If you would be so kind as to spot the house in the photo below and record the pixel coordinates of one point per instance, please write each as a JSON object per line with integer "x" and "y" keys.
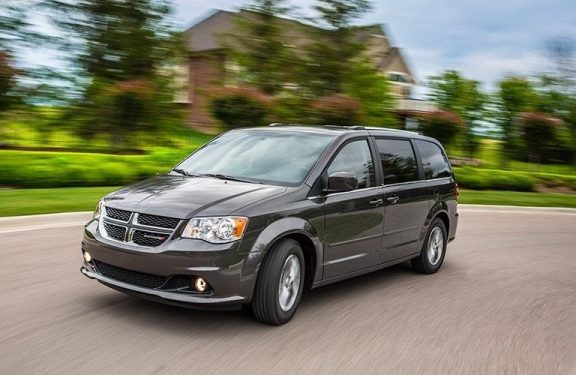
{"x": 208, "y": 63}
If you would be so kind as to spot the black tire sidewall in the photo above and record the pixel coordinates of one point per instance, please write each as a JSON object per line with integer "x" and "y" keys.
{"x": 292, "y": 248}
{"x": 430, "y": 268}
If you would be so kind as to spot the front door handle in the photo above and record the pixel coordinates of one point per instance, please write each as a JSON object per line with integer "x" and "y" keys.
{"x": 393, "y": 199}
{"x": 377, "y": 202}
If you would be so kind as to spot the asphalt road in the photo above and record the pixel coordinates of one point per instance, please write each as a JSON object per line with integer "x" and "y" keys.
{"x": 503, "y": 303}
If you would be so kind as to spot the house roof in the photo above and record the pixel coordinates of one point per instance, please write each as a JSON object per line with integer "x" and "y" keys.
{"x": 210, "y": 32}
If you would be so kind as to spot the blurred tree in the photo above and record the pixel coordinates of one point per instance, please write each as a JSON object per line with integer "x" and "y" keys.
{"x": 123, "y": 51}
{"x": 442, "y": 125}
{"x": 455, "y": 93}
{"x": 372, "y": 91}
{"x": 259, "y": 47}
{"x": 7, "y": 81}
{"x": 515, "y": 96}
{"x": 334, "y": 48}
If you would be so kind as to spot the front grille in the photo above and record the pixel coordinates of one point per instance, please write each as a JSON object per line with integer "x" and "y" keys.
{"x": 117, "y": 214}
{"x": 158, "y": 221}
{"x": 115, "y": 231}
{"x": 150, "y": 239}
{"x": 145, "y": 280}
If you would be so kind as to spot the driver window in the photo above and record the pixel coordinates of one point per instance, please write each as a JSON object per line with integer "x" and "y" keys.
{"x": 355, "y": 158}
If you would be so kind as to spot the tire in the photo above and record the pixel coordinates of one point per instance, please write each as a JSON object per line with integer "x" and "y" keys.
{"x": 269, "y": 305}
{"x": 430, "y": 261}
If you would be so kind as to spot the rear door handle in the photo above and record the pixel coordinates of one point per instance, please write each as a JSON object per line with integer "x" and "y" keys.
{"x": 393, "y": 199}
{"x": 377, "y": 202}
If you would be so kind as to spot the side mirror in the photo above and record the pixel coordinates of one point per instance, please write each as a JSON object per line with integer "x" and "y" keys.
{"x": 341, "y": 181}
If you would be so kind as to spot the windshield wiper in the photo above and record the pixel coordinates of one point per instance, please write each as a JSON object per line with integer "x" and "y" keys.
{"x": 183, "y": 172}
{"x": 227, "y": 177}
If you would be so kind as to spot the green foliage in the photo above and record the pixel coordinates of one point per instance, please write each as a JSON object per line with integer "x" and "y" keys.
{"x": 444, "y": 126}
{"x": 486, "y": 179}
{"x": 335, "y": 47}
{"x": 455, "y": 93}
{"x": 51, "y": 169}
{"x": 372, "y": 91}
{"x": 259, "y": 46}
{"x": 335, "y": 110}
{"x": 241, "y": 107}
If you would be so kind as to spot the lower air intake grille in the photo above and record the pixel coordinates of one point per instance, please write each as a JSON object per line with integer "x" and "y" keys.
{"x": 115, "y": 231}
{"x": 141, "y": 279}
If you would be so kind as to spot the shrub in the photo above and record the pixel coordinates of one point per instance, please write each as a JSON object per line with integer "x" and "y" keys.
{"x": 492, "y": 179}
{"x": 442, "y": 125}
{"x": 240, "y": 107}
{"x": 335, "y": 110}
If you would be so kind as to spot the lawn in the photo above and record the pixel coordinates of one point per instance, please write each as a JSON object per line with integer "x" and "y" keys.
{"x": 514, "y": 198}
{"x": 14, "y": 202}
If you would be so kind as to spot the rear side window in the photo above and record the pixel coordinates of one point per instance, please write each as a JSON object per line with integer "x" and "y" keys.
{"x": 355, "y": 158}
{"x": 434, "y": 161}
{"x": 398, "y": 160}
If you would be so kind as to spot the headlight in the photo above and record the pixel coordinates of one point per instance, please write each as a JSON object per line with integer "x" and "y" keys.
{"x": 216, "y": 229}
{"x": 98, "y": 211}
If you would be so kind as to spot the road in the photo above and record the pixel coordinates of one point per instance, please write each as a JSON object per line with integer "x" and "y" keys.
{"x": 504, "y": 302}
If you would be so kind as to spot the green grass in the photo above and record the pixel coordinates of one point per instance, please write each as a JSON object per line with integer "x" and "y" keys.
{"x": 15, "y": 202}
{"x": 514, "y": 198}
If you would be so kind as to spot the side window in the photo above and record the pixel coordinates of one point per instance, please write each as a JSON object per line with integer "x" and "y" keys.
{"x": 355, "y": 158}
{"x": 398, "y": 160}
{"x": 434, "y": 161}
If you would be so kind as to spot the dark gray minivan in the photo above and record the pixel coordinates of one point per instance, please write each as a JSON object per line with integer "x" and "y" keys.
{"x": 256, "y": 215}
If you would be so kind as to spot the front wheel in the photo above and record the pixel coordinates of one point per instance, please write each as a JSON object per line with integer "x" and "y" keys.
{"x": 433, "y": 250}
{"x": 280, "y": 283}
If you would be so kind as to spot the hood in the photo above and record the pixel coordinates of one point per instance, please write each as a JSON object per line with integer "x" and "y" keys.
{"x": 185, "y": 197}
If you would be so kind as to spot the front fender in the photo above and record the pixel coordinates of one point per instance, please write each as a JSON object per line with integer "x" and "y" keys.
{"x": 277, "y": 230}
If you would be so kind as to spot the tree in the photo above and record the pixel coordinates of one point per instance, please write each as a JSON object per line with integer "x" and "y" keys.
{"x": 7, "y": 80}
{"x": 372, "y": 90}
{"x": 335, "y": 47}
{"x": 455, "y": 93}
{"x": 121, "y": 50}
{"x": 515, "y": 96}
{"x": 259, "y": 46}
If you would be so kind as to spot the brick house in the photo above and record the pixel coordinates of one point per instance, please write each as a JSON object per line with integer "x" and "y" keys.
{"x": 208, "y": 63}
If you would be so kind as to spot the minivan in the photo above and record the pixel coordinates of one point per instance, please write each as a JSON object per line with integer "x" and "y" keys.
{"x": 258, "y": 215}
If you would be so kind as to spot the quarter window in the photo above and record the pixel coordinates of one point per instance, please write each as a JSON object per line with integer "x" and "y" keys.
{"x": 398, "y": 160}
{"x": 355, "y": 158}
{"x": 434, "y": 161}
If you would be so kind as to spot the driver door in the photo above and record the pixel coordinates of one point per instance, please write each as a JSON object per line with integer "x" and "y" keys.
{"x": 353, "y": 219}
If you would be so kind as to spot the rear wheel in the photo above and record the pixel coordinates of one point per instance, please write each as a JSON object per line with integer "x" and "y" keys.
{"x": 280, "y": 283}
{"x": 433, "y": 250}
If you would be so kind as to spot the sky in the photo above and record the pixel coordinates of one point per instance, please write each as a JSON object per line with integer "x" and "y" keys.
{"x": 485, "y": 40}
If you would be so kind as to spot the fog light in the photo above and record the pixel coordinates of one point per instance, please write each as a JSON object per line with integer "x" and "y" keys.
{"x": 87, "y": 257}
{"x": 201, "y": 285}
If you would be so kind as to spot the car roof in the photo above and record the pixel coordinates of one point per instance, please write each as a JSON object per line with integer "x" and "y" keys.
{"x": 341, "y": 130}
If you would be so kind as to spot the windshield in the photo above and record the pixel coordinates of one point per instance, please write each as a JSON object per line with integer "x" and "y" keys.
{"x": 283, "y": 158}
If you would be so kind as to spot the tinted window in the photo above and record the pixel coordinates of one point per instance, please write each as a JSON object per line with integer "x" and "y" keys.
{"x": 398, "y": 160}
{"x": 434, "y": 161}
{"x": 355, "y": 158}
{"x": 260, "y": 155}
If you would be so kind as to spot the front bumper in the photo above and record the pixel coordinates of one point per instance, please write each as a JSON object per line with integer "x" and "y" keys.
{"x": 170, "y": 298}
{"x": 230, "y": 273}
